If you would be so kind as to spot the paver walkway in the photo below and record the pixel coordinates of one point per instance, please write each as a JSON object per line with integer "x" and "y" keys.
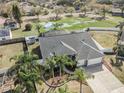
{"x": 105, "y": 82}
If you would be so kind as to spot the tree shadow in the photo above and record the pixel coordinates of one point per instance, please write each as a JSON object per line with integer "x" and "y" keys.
{"x": 37, "y": 51}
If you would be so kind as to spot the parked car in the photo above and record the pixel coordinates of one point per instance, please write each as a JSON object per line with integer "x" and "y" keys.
{"x": 31, "y": 39}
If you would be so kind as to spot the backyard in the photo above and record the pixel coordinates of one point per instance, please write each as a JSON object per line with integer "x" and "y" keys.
{"x": 9, "y": 51}
{"x": 67, "y": 24}
{"x": 106, "y": 39}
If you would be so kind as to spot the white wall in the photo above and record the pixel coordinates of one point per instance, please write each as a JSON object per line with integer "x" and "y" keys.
{"x": 90, "y": 62}
{"x": 95, "y": 61}
{"x": 7, "y": 37}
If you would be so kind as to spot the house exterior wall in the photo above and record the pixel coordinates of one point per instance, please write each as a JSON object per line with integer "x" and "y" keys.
{"x": 7, "y": 37}
{"x": 95, "y": 61}
{"x": 15, "y": 26}
{"x": 90, "y": 62}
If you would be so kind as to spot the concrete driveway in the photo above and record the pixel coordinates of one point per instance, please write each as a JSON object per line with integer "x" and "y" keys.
{"x": 104, "y": 81}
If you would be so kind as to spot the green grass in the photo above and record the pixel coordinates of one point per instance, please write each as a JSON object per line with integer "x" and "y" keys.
{"x": 22, "y": 33}
{"x": 70, "y": 21}
{"x": 104, "y": 23}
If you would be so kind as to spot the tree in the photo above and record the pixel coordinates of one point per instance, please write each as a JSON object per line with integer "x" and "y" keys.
{"x": 118, "y": 48}
{"x": 70, "y": 10}
{"x": 63, "y": 89}
{"x": 120, "y": 26}
{"x": 16, "y": 14}
{"x": 50, "y": 64}
{"x": 53, "y": 63}
{"x": 84, "y": 10}
{"x": 38, "y": 27}
{"x": 80, "y": 76}
{"x": 56, "y": 26}
{"x": 104, "y": 12}
{"x": 58, "y": 10}
{"x": 26, "y": 73}
{"x": 78, "y": 4}
{"x": 37, "y": 11}
{"x": 63, "y": 61}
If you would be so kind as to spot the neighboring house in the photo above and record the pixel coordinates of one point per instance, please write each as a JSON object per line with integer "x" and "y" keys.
{"x": 5, "y": 34}
{"x": 76, "y": 45}
{"x": 116, "y": 12}
{"x": 10, "y": 24}
{"x": 116, "y": 9}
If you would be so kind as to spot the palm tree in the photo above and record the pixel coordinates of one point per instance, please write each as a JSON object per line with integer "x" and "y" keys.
{"x": 56, "y": 62}
{"x": 118, "y": 48}
{"x": 63, "y": 61}
{"x": 26, "y": 73}
{"x": 120, "y": 26}
{"x": 80, "y": 75}
{"x": 51, "y": 63}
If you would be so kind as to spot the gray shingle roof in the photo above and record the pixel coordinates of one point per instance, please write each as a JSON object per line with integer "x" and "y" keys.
{"x": 52, "y": 44}
{"x": 4, "y": 32}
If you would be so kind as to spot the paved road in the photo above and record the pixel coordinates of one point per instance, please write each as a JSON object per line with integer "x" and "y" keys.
{"x": 104, "y": 81}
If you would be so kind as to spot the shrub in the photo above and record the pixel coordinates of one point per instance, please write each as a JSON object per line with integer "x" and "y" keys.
{"x": 28, "y": 27}
{"x": 68, "y": 15}
{"x": 5, "y": 15}
{"x": 45, "y": 12}
{"x": 82, "y": 15}
{"x": 54, "y": 18}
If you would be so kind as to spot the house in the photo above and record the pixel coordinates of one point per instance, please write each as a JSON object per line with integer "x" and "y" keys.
{"x": 116, "y": 8}
{"x": 11, "y": 24}
{"x": 5, "y": 34}
{"x": 76, "y": 45}
{"x": 27, "y": 8}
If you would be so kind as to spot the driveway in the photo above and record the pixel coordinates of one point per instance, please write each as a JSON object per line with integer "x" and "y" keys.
{"x": 104, "y": 81}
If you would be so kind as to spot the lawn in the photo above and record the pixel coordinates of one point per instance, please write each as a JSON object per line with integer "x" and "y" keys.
{"x": 68, "y": 24}
{"x": 21, "y": 33}
{"x": 9, "y": 51}
{"x": 106, "y": 39}
{"x": 76, "y": 23}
